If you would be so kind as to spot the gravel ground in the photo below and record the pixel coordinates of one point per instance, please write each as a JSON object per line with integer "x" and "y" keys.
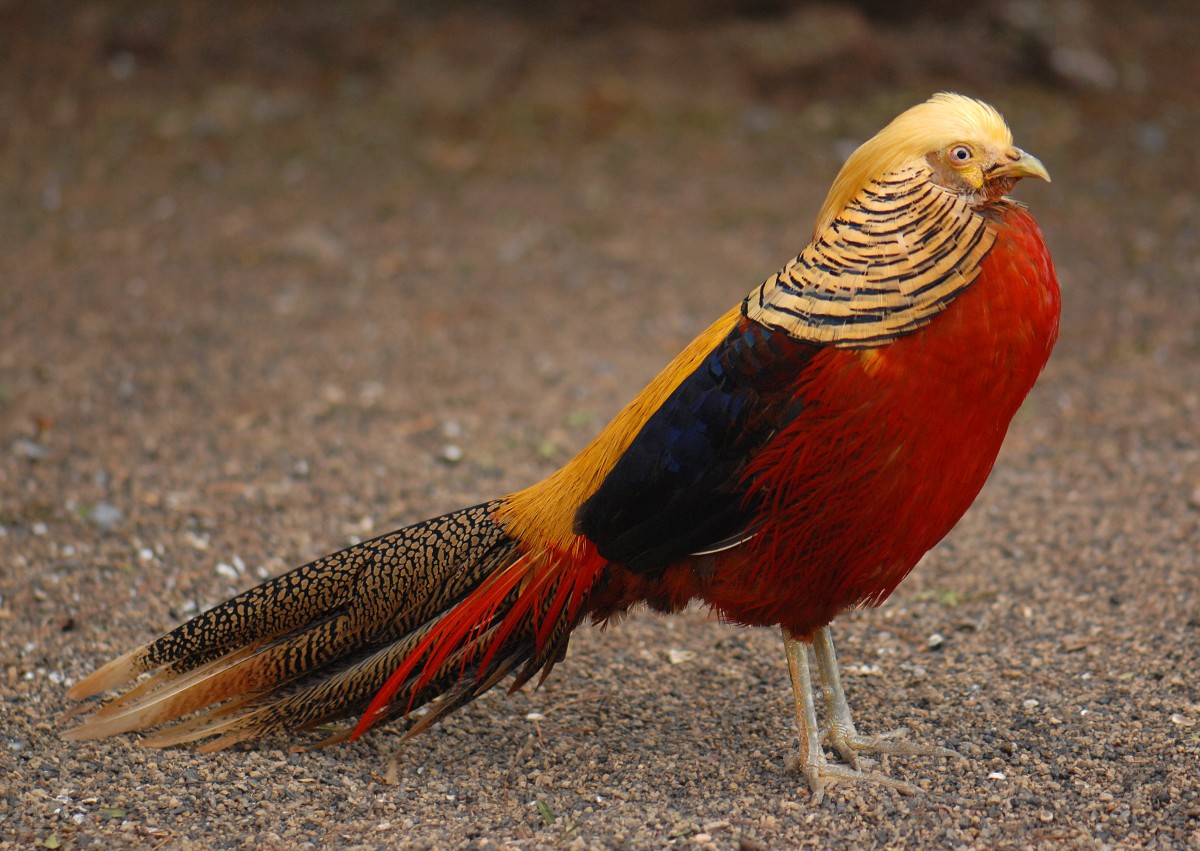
{"x": 275, "y": 282}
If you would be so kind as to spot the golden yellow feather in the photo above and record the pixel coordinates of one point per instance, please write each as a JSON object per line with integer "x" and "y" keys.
{"x": 942, "y": 121}
{"x": 543, "y": 514}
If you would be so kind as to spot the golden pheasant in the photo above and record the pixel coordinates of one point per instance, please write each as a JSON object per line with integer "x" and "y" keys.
{"x": 797, "y": 459}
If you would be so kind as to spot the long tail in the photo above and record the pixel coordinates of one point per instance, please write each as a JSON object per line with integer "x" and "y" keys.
{"x": 442, "y": 610}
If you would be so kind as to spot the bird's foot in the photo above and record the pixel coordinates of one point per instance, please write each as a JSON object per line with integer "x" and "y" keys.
{"x": 840, "y": 735}
{"x": 849, "y": 744}
{"x": 820, "y": 772}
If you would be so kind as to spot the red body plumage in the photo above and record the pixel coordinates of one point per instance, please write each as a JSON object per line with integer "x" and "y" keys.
{"x": 898, "y": 445}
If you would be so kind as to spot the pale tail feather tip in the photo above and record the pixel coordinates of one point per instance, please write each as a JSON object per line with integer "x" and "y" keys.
{"x": 117, "y": 672}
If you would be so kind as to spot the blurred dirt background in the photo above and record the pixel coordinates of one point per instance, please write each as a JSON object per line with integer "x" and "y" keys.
{"x": 274, "y": 278}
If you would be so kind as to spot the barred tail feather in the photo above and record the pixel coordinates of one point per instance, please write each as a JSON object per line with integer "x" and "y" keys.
{"x": 440, "y": 611}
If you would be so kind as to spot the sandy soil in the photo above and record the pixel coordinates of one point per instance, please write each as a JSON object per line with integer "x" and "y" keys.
{"x": 275, "y": 282}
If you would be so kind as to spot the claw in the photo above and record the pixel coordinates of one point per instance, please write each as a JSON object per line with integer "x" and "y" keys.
{"x": 819, "y": 772}
{"x": 892, "y": 742}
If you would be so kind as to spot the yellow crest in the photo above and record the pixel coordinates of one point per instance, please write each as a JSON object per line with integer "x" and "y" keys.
{"x": 940, "y": 122}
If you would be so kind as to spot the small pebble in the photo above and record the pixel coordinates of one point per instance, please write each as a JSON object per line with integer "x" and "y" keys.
{"x": 122, "y": 65}
{"x": 106, "y": 515}
{"x": 29, "y": 449}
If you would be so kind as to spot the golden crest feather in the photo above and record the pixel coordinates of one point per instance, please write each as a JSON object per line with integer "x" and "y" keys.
{"x": 943, "y": 120}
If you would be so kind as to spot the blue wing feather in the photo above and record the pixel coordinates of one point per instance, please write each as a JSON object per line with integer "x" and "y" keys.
{"x": 680, "y": 487}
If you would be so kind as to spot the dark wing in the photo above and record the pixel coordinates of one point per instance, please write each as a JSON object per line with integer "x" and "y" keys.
{"x": 680, "y": 488}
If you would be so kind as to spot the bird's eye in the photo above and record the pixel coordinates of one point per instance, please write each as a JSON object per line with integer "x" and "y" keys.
{"x": 960, "y": 153}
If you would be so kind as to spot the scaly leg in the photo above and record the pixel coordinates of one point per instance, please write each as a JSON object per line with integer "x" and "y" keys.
{"x": 812, "y": 762}
{"x": 841, "y": 735}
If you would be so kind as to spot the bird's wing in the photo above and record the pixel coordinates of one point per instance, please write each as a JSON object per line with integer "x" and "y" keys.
{"x": 679, "y": 487}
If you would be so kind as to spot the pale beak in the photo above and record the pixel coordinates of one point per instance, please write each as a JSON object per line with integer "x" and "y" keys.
{"x": 1021, "y": 164}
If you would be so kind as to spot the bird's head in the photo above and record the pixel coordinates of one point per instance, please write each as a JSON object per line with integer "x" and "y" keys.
{"x": 964, "y": 142}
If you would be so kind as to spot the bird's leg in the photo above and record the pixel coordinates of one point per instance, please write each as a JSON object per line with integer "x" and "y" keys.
{"x": 841, "y": 728}
{"x": 812, "y": 762}
{"x": 842, "y": 735}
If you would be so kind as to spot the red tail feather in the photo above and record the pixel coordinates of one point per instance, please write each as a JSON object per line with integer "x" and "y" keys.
{"x": 551, "y": 584}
